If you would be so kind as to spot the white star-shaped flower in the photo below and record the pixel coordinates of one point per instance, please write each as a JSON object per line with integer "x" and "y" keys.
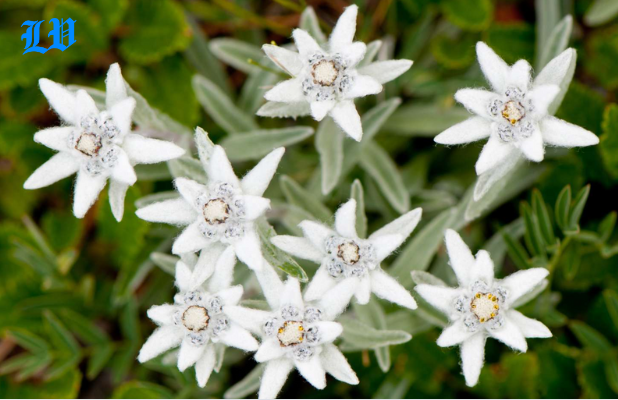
{"x": 295, "y": 334}
{"x": 197, "y": 321}
{"x": 483, "y": 306}
{"x": 515, "y": 115}
{"x": 97, "y": 145}
{"x": 328, "y": 80}
{"x": 223, "y": 211}
{"x": 343, "y": 256}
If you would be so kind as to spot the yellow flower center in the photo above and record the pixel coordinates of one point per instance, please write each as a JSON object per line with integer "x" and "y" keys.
{"x": 349, "y": 252}
{"x": 324, "y": 73}
{"x": 216, "y": 211}
{"x": 485, "y": 306}
{"x": 89, "y": 144}
{"x": 195, "y": 318}
{"x": 513, "y": 112}
{"x": 291, "y": 333}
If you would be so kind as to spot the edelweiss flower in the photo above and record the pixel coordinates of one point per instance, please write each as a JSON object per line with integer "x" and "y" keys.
{"x": 222, "y": 211}
{"x": 295, "y": 334}
{"x": 482, "y": 306}
{"x": 328, "y": 80}
{"x": 343, "y": 256}
{"x": 515, "y": 115}
{"x": 96, "y": 144}
{"x": 197, "y": 320}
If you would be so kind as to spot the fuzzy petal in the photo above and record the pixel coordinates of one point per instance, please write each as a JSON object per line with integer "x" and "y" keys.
{"x": 530, "y": 328}
{"x": 291, "y": 294}
{"x": 319, "y": 284}
{"x": 473, "y": 358}
{"x": 510, "y": 335}
{"x": 385, "y": 245}
{"x": 62, "y": 100}
{"x": 55, "y": 138}
{"x": 403, "y": 225}
{"x": 189, "y": 354}
{"x": 362, "y": 86}
{"x": 205, "y": 265}
{"x": 285, "y": 59}
{"x": 161, "y": 340}
{"x": 163, "y": 314}
{"x": 345, "y": 219}
{"x": 461, "y": 259}
{"x": 257, "y": 180}
{"x": 183, "y": 276}
{"x": 493, "y": 153}
{"x": 439, "y": 297}
{"x": 274, "y": 377}
{"x": 121, "y": 113}
{"x": 476, "y": 100}
{"x": 387, "y": 288}
{"x": 190, "y": 190}
{"x": 319, "y": 109}
{"x": 519, "y": 75}
{"x": 336, "y": 299}
{"x": 542, "y": 96}
{"x": 298, "y": 247}
{"x": 557, "y": 132}
{"x": 494, "y": 68}
{"x": 328, "y": 331}
{"x": 85, "y": 105}
{"x": 270, "y": 349}
{"x": 56, "y": 168}
{"x": 470, "y": 130}
{"x": 363, "y": 290}
{"x": 190, "y": 240}
{"x": 454, "y": 334}
{"x": 533, "y": 147}
{"x": 316, "y": 232}
{"x": 348, "y": 119}
{"x": 175, "y": 212}
{"x": 312, "y": 371}
{"x": 290, "y": 91}
{"x": 483, "y": 268}
{"x": 143, "y": 150}
{"x": 255, "y": 206}
{"x": 386, "y": 71}
{"x": 115, "y": 87}
{"x": 220, "y": 169}
{"x": 123, "y": 172}
{"x": 521, "y": 282}
{"x": 223, "y": 274}
{"x": 343, "y": 32}
{"x": 335, "y": 364}
{"x": 204, "y": 366}
{"x": 555, "y": 70}
{"x": 248, "y": 318}
{"x": 249, "y": 250}
{"x": 235, "y": 336}
{"x": 87, "y": 189}
{"x": 306, "y": 45}
{"x": 271, "y": 284}
{"x": 354, "y": 53}
{"x": 230, "y": 296}
{"x": 117, "y": 194}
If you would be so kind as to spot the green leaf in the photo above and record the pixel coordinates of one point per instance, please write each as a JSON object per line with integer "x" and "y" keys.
{"x": 453, "y": 53}
{"x": 362, "y": 336}
{"x": 142, "y": 390}
{"x": 309, "y": 21}
{"x": 547, "y": 18}
{"x": 276, "y": 257}
{"x": 28, "y": 340}
{"x": 329, "y": 144}
{"x": 60, "y": 337}
{"x": 220, "y": 108}
{"x": 425, "y": 278}
{"x": 590, "y": 338}
{"x": 100, "y": 356}
{"x": 533, "y": 230}
{"x": 156, "y": 197}
{"x": 472, "y": 15}
{"x": 17, "y": 69}
{"x": 600, "y": 12}
{"x": 237, "y": 53}
{"x": 611, "y": 302}
{"x": 611, "y": 371}
{"x": 557, "y": 41}
{"x": 609, "y": 139}
{"x": 157, "y": 29}
{"x": 606, "y": 227}
{"x": 542, "y": 215}
{"x": 110, "y": 11}
{"x": 373, "y": 315}
{"x": 256, "y": 144}
{"x": 577, "y": 209}
{"x": 424, "y": 120}
{"x": 563, "y": 207}
{"x": 187, "y": 167}
{"x": 516, "y": 251}
{"x": 301, "y": 197}
{"x": 252, "y": 93}
{"x": 373, "y": 48}
{"x": 165, "y": 261}
{"x": 247, "y": 385}
{"x": 512, "y": 42}
{"x": 361, "y": 218}
{"x": 147, "y": 117}
{"x": 378, "y": 163}
{"x": 84, "y": 328}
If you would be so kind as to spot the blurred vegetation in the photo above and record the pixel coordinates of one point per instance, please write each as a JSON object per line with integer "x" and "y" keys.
{"x": 74, "y": 292}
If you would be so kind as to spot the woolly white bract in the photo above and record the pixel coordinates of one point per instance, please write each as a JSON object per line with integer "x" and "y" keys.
{"x": 515, "y": 115}
{"x": 223, "y": 211}
{"x": 97, "y": 145}
{"x": 343, "y": 256}
{"x": 295, "y": 334}
{"x": 483, "y": 306}
{"x": 197, "y": 321}
{"x": 326, "y": 82}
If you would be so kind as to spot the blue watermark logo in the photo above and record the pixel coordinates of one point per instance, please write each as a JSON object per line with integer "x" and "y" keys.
{"x": 59, "y": 32}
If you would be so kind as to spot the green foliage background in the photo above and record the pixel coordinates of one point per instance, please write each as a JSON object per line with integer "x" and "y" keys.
{"x": 73, "y": 293}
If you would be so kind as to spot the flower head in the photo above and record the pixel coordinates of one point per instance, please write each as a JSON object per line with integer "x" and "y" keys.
{"x": 196, "y": 322}
{"x": 343, "y": 256}
{"x": 295, "y": 334}
{"x": 97, "y": 145}
{"x": 515, "y": 115}
{"x": 483, "y": 306}
{"x": 222, "y": 211}
{"x": 329, "y": 79}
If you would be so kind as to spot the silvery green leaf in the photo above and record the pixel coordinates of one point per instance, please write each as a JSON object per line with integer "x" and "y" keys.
{"x": 204, "y": 145}
{"x": 256, "y": 144}
{"x": 424, "y": 120}
{"x": 425, "y": 278}
{"x": 289, "y": 215}
{"x": 165, "y": 261}
{"x": 404, "y": 320}
{"x": 252, "y": 93}
{"x": 187, "y": 167}
{"x": 600, "y": 12}
{"x": 378, "y": 163}
{"x": 495, "y": 176}
{"x": 548, "y": 14}
{"x": 557, "y": 42}
{"x": 361, "y": 218}
{"x": 363, "y": 336}
{"x": 276, "y": 257}
{"x": 237, "y": 53}
{"x": 155, "y": 198}
{"x": 97, "y": 95}
{"x": 301, "y": 197}
{"x": 219, "y": 356}
{"x": 220, "y": 108}
{"x": 153, "y": 172}
{"x": 284, "y": 110}
{"x": 371, "y": 53}
{"x": 247, "y": 385}
{"x": 329, "y": 144}
{"x": 373, "y": 315}
{"x": 309, "y": 21}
